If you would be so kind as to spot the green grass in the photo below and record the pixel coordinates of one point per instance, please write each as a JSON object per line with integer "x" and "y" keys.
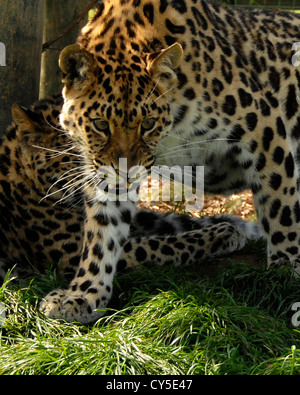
{"x": 234, "y": 319}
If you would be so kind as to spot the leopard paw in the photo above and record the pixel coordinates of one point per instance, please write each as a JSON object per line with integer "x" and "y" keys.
{"x": 60, "y": 304}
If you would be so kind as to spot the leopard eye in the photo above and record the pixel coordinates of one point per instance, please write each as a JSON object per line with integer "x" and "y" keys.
{"x": 148, "y": 124}
{"x": 100, "y": 125}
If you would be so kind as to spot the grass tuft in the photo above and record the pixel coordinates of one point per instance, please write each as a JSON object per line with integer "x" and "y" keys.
{"x": 168, "y": 321}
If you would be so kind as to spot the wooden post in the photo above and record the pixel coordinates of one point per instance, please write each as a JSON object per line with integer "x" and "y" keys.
{"x": 21, "y": 35}
{"x": 58, "y": 15}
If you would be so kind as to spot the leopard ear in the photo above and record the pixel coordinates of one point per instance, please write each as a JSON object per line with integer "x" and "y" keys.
{"x": 25, "y": 119}
{"x": 31, "y": 127}
{"x": 77, "y": 66}
{"x": 161, "y": 65}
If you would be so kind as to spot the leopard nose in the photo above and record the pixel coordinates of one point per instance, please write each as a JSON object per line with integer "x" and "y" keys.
{"x": 129, "y": 156}
{"x": 122, "y": 172}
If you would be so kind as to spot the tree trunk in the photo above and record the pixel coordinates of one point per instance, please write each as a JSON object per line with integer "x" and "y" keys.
{"x": 21, "y": 36}
{"x": 58, "y": 15}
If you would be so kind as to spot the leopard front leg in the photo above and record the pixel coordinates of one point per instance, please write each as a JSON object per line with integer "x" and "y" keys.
{"x": 276, "y": 200}
{"x": 106, "y": 230}
{"x": 184, "y": 248}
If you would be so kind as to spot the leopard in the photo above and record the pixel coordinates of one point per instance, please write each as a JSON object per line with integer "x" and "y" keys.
{"x": 43, "y": 217}
{"x": 185, "y": 82}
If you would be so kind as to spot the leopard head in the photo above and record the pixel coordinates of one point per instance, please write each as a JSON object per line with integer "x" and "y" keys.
{"x": 42, "y": 153}
{"x": 117, "y": 106}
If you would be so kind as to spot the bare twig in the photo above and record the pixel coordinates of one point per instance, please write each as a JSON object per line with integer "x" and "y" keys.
{"x": 47, "y": 44}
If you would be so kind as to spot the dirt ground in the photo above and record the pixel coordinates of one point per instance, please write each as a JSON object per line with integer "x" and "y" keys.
{"x": 239, "y": 204}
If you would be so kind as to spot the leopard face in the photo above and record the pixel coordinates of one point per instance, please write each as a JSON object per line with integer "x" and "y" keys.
{"x": 40, "y": 152}
{"x": 117, "y": 107}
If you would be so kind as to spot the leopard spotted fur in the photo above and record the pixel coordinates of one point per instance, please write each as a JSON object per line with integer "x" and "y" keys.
{"x": 185, "y": 82}
{"x": 42, "y": 211}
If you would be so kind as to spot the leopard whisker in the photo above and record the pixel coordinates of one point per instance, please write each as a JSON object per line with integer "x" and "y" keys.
{"x": 152, "y": 91}
{"x": 183, "y": 151}
{"x": 71, "y": 182}
{"x": 169, "y": 90}
{"x": 67, "y": 175}
{"x": 56, "y": 151}
{"x": 52, "y": 126}
{"x": 71, "y": 191}
{"x": 91, "y": 183}
{"x": 183, "y": 148}
{"x": 188, "y": 141}
{"x": 74, "y": 183}
{"x": 65, "y": 150}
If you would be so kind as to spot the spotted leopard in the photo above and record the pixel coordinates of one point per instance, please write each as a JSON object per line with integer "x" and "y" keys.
{"x": 185, "y": 82}
{"x": 43, "y": 219}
